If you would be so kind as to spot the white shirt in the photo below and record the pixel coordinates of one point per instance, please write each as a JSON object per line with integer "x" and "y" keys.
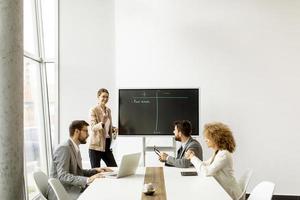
{"x": 106, "y": 128}
{"x": 184, "y": 143}
{"x": 76, "y": 146}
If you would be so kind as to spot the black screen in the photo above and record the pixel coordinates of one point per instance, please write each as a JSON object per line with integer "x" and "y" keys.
{"x": 153, "y": 111}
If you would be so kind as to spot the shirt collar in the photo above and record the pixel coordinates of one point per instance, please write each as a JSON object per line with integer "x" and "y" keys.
{"x": 75, "y": 145}
{"x": 184, "y": 144}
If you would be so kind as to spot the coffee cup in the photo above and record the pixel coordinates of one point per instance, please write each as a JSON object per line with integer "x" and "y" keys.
{"x": 148, "y": 187}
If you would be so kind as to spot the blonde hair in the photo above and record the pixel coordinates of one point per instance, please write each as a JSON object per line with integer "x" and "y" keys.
{"x": 221, "y": 135}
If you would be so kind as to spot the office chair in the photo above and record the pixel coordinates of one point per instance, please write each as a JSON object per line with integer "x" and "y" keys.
{"x": 243, "y": 183}
{"x": 41, "y": 183}
{"x": 59, "y": 189}
{"x": 262, "y": 191}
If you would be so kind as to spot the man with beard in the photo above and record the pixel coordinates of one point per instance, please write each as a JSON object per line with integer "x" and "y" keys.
{"x": 67, "y": 164}
{"x": 182, "y": 132}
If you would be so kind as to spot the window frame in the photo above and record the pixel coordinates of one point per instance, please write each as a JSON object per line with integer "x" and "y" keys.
{"x": 41, "y": 60}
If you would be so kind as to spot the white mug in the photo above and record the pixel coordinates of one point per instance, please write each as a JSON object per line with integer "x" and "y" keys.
{"x": 148, "y": 187}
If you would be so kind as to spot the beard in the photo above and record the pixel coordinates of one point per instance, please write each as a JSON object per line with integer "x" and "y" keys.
{"x": 82, "y": 140}
{"x": 177, "y": 138}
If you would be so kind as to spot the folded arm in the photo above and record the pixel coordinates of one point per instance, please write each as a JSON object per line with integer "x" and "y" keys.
{"x": 210, "y": 169}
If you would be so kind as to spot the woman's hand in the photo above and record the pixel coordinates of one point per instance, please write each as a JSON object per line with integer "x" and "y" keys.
{"x": 114, "y": 132}
{"x": 98, "y": 126}
{"x": 189, "y": 154}
{"x": 115, "y": 129}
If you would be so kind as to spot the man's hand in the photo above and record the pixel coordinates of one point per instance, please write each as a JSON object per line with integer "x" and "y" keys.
{"x": 106, "y": 169}
{"x": 92, "y": 178}
{"x": 103, "y": 169}
{"x": 163, "y": 157}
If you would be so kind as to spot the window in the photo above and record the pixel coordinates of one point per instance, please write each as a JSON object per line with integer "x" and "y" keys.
{"x": 52, "y": 95}
{"x": 33, "y": 124}
{"x": 30, "y": 30}
{"x": 40, "y": 87}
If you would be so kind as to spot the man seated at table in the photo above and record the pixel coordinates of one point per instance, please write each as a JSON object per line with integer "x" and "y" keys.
{"x": 182, "y": 132}
{"x": 67, "y": 164}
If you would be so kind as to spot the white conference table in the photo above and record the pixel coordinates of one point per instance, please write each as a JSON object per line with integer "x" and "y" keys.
{"x": 177, "y": 187}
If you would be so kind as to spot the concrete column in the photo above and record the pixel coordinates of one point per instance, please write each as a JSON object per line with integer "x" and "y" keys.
{"x": 11, "y": 100}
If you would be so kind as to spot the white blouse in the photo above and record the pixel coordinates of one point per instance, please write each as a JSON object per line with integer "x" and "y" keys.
{"x": 107, "y": 125}
{"x": 220, "y": 166}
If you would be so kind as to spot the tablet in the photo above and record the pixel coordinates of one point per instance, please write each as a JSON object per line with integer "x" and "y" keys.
{"x": 156, "y": 150}
{"x": 193, "y": 173}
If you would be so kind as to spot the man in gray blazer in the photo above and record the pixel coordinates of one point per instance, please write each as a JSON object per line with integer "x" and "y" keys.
{"x": 182, "y": 132}
{"x": 67, "y": 164}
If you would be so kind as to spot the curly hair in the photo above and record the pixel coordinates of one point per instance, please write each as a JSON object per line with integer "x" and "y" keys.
{"x": 221, "y": 135}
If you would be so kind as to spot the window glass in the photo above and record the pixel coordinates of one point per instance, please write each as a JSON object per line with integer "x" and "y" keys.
{"x": 33, "y": 126}
{"x": 39, "y": 108}
{"x": 30, "y": 28}
{"x": 52, "y": 95}
{"x": 48, "y": 16}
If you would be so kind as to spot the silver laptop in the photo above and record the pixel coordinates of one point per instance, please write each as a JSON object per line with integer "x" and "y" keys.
{"x": 128, "y": 166}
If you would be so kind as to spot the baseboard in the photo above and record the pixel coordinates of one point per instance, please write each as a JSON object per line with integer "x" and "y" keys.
{"x": 282, "y": 197}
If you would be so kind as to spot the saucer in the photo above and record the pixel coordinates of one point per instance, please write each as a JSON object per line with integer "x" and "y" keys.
{"x": 149, "y": 192}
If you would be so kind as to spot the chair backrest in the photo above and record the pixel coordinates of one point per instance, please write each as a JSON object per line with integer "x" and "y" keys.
{"x": 41, "y": 183}
{"x": 262, "y": 191}
{"x": 243, "y": 183}
{"x": 59, "y": 189}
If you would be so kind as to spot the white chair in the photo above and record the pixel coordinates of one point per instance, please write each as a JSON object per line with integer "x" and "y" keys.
{"x": 243, "y": 183}
{"x": 262, "y": 191}
{"x": 59, "y": 189}
{"x": 41, "y": 183}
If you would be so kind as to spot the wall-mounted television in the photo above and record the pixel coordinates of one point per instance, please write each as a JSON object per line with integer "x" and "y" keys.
{"x": 152, "y": 111}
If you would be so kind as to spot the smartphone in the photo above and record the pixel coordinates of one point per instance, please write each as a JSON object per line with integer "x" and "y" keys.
{"x": 156, "y": 150}
{"x": 189, "y": 173}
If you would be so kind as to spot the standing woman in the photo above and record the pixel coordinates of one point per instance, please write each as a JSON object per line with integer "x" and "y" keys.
{"x": 102, "y": 132}
{"x": 218, "y": 136}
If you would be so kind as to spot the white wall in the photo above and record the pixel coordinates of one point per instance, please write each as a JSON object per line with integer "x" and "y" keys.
{"x": 245, "y": 57}
{"x": 86, "y": 56}
{"x": 243, "y": 54}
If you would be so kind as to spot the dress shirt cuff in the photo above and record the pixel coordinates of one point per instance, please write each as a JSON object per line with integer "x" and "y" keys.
{"x": 87, "y": 182}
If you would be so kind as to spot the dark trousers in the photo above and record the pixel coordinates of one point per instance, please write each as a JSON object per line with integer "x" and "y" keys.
{"x": 107, "y": 156}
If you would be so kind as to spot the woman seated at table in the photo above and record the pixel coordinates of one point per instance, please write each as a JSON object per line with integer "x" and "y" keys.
{"x": 218, "y": 136}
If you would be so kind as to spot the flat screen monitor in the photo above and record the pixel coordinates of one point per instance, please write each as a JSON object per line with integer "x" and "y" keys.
{"x": 153, "y": 111}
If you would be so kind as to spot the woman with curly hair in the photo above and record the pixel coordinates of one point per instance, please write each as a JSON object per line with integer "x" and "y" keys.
{"x": 218, "y": 136}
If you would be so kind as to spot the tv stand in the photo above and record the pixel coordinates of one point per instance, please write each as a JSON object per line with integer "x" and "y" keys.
{"x": 161, "y": 148}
